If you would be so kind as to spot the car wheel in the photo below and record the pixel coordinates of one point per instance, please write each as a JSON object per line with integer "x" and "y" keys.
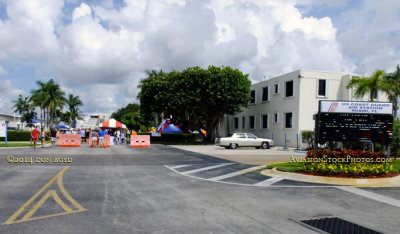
{"x": 265, "y": 145}
{"x": 233, "y": 146}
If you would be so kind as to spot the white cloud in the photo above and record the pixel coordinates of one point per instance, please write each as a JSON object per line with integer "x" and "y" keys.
{"x": 102, "y": 53}
{"x": 7, "y": 95}
{"x": 81, "y": 11}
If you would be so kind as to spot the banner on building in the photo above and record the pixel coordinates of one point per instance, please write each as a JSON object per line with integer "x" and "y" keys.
{"x": 356, "y": 107}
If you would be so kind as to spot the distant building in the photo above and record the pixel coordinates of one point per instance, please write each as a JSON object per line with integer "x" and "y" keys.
{"x": 286, "y": 105}
{"x": 92, "y": 121}
{"x": 14, "y": 121}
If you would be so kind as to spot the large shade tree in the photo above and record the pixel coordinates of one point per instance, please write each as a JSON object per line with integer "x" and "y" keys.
{"x": 198, "y": 98}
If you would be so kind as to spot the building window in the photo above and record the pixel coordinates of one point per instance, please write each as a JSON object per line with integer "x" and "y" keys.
{"x": 264, "y": 121}
{"x": 265, "y": 94}
{"x": 276, "y": 88}
{"x": 236, "y": 123}
{"x": 243, "y": 122}
{"x": 289, "y": 89}
{"x": 276, "y": 117}
{"x": 288, "y": 120}
{"x": 253, "y": 97}
{"x": 251, "y": 122}
{"x": 322, "y": 88}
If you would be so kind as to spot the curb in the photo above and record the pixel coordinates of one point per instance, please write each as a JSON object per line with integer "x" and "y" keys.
{"x": 378, "y": 182}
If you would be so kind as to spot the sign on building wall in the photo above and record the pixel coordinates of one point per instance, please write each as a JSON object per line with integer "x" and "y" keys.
{"x": 3, "y": 128}
{"x": 356, "y": 107}
{"x": 354, "y": 121}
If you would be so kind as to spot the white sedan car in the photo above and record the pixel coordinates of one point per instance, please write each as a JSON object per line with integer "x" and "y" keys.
{"x": 243, "y": 139}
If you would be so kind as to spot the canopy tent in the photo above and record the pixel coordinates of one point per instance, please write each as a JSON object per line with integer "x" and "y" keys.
{"x": 168, "y": 127}
{"x": 112, "y": 123}
{"x": 62, "y": 127}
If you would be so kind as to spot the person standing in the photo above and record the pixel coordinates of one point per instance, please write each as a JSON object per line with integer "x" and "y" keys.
{"x": 42, "y": 136}
{"x": 34, "y": 136}
{"x": 53, "y": 137}
{"x": 94, "y": 139}
{"x": 83, "y": 135}
{"x": 101, "y": 138}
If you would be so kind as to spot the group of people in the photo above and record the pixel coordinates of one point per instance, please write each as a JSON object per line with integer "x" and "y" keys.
{"x": 35, "y": 135}
{"x": 119, "y": 136}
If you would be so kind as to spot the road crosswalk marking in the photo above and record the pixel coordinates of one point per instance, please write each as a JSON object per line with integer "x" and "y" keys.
{"x": 180, "y": 166}
{"x": 226, "y": 176}
{"x": 206, "y": 168}
{"x": 267, "y": 182}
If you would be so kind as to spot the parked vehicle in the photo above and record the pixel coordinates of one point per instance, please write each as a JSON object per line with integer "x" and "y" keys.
{"x": 243, "y": 140}
{"x": 12, "y": 129}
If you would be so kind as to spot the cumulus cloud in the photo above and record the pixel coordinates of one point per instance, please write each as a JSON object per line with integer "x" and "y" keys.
{"x": 100, "y": 52}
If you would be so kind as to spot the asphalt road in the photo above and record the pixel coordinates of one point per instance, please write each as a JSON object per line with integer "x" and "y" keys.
{"x": 168, "y": 190}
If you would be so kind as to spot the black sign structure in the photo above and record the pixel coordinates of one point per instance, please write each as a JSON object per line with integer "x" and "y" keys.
{"x": 353, "y": 127}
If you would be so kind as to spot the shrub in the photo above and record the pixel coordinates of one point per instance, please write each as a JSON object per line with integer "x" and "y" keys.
{"x": 181, "y": 137}
{"x": 321, "y": 153}
{"x": 20, "y": 136}
{"x": 308, "y": 138}
{"x": 350, "y": 169}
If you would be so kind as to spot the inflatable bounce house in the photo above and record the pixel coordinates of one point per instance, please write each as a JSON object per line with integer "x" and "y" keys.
{"x": 167, "y": 126}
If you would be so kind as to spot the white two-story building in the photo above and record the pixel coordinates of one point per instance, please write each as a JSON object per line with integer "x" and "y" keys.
{"x": 285, "y": 105}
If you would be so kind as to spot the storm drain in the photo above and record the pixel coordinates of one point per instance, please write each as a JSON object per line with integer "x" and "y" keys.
{"x": 335, "y": 225}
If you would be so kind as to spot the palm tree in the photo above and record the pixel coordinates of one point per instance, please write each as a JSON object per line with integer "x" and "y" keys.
{"x": 22, "y": 106}
{"x": 366, "y": 85}
{"x": 73, "y": 103}
{"x": 38, "y": 97}
{"x": 391, "y": 86}
{"x": 54, "y": 99}
{"x": 29, "y": 116}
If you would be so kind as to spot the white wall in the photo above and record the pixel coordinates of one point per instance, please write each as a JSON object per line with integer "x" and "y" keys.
{"x": 303, "y": 105}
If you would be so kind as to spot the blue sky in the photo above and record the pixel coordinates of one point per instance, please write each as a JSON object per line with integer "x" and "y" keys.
{"x": 100, "y": 50}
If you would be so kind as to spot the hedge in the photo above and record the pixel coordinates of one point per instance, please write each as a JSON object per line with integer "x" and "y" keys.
{"x": 321, "y": 153}
{"x": 177, "y": 137}
{"x": 19, "y": 136}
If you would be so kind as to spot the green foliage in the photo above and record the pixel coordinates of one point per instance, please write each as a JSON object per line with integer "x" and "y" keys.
{"x": 345, "y": 153}
{"x": 367, "y": 84}
{"x": 288, "y": 167}
{"x": 396, "y": 137}
{"x": 308, "y": 138}
{"x": 130, "y": 108}
{"x": 197, "y": 98}
{"x": 350, "y": 169}
{"x": 178, "y": 137}
{"x": 19, "y": 136}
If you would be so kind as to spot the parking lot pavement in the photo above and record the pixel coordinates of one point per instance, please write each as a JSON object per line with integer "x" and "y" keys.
{"x": 250, "y": 155}
{"x": 123, "y": 190}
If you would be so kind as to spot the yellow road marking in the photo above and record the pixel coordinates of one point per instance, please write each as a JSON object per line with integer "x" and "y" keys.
{"x": 48, "y": 194}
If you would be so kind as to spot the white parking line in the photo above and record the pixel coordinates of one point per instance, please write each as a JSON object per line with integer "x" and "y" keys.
{"x": 226, "y": 176}
{"x": 371, "y": 195}
{"x": 179, "y": 166}
{"x": 206, "y": 168}
{"x": 267, "y": 182}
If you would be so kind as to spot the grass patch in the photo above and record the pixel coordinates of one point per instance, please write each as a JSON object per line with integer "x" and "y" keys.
{"x": 11, "y": 144}
{"x": 20, "y": 144}
{"x": 288, "y": 167}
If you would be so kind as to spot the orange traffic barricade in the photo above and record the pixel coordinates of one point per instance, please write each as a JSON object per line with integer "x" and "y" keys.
{"x": 69, "y": 140}
{"x": 140, "y": 141}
